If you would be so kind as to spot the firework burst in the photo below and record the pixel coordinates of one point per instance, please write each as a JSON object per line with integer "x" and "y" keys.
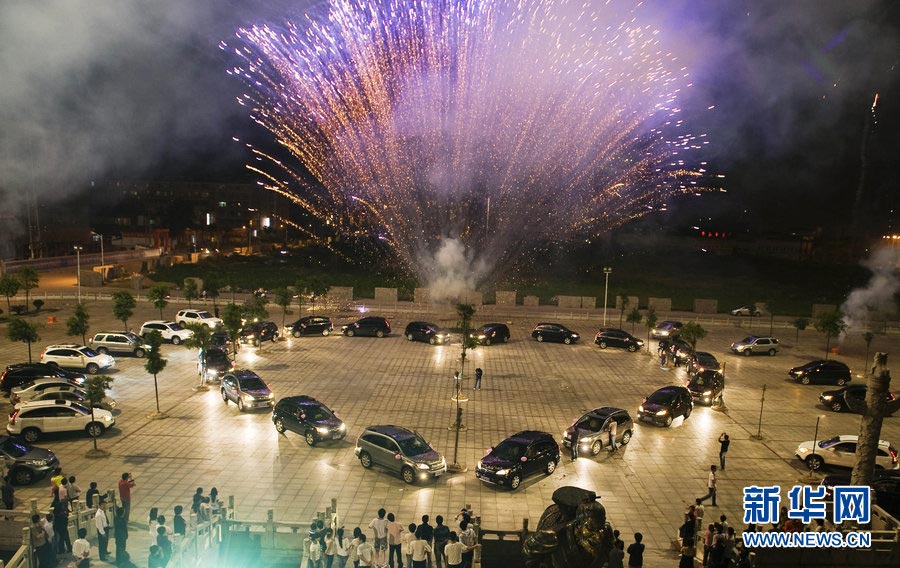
{"x": 497, "y": 124}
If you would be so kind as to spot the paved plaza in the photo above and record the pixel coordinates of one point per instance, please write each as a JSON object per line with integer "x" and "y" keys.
{"x": 645, "y": 487}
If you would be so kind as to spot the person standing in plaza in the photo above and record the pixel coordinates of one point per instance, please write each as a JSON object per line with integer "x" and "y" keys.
{"x": 420, "y": 551}
{"x": 379, "y": 526}
{"x": 353, "y": 556}
{"x": 611, "y": 429}
{"x": 178, "y": 524}
{"x": 636, "y": 551}
{"x": 155, "y": 559}
{"x": 61, "y": 526}
{"x": 63, "y": 490}
{"x": 395, "y": 536}
{"x": 576, "y": 436}
{"x": 41, "y": 543}
{"x": 329, "y": 547}
{"x": 724, "y": 442}
{"x": 126, "y": 484}
{"x": 74, "y": 489}
{"x": 441, "y": 536}
{"x": 427, "y": 532}
{"x": 405, "y": 540}
{"x": 341, "y": 549}
{"x": 478, "y": 374}
{"x": 365, "y": 552}
{"x": 617, "y": 555}
{"x": 711, "y": 481}
{"x": 9, "y": 499}
{"x": 709, "y": 536}
{"x": 101, "y": 521}
{"x": 468, "y": 538}
{"x": 81, "y": 550}
{"x": 698, "y": 514}
{"x": 57, "y": 478}
{"x": 163, "y": 542}
{"x": 120, "y": 533}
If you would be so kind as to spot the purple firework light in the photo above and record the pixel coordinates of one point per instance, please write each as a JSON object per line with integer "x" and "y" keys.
{"x": 497, "y": 124}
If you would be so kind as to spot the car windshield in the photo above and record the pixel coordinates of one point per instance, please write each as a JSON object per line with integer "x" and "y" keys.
{"x": 414, "y": 446}
{"x": 204, "y": 315}
{"x": 317, "y": 413}
{"x": 87, "y": 351}
{"x": 133, "y": 337}
{"x": 591, "y": 422}
{"x": 699, "y": 381}
{"x": 217, "y": 357}
{"x": 660, "y": 397}
{"x": 509, "y": 450}
{"x": 80, "y": 408}
{"x": 14, "y": 448}
{"x": 830, "y": 442}
{"x": 252, "y": 383}
{"x": 748, "y": 339}
{"x": 175, "y": 326}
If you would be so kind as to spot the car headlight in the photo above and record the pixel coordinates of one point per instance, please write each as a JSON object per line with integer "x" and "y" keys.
{"x": 270, "y": 396}
{"x": 575, "y": 335}
{"x": 107, "y": 418}
{"x": 502, "y": 472}
{"x": 443, "y": 462}
{"x": 802, "y": 450}
{"x": 827, "y": 397}
{"x": 322, "y": 430}
{"x": 662, "y": 412}
{"x": 482, "y": 336}
{"x": 641, "y": 408}
{"x": 422, "y": 466}
{"x": 479, "y": 465}
{"x": 246, "y": 398}
{"x": 342, "y": 427}
{"x": 584, "y": 440}
{"x": 707, "y": 393}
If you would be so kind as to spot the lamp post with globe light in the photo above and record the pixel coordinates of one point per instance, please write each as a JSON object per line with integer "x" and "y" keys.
{"x": 78, "y": 250}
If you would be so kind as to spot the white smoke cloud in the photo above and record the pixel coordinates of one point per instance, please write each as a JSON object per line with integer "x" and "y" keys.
{"x": 452, "y": 271}
{"x": 878, "y": 297}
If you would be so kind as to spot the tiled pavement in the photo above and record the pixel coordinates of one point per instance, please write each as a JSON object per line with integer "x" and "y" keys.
{"x": 645, "y": 487}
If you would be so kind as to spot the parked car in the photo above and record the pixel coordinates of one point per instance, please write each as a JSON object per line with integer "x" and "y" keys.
{"x": 310, "y": 325}
{"x": 702, "y": 361}
{"x": 24, "y": 462}
{"x": 427, "y": 332}
{"x": 885, "y": 486}
{"x": 753, "y": 344}
{"x": 77, "y": 395}
{"x": 73, "y": 356}
{"x": 836, "y": 400}
{"x": 169, "y": 330}
{"x": 521, "y": 455}
{"x": 665, "y": 405}
{"x": 246, "y": 389}
{"x": 32, "y": 420}
{"x": 822, "y": 371}
{"x": 256, "y": 332}
{"x": 309, "y": 418}
{"x": 220, "y": 340}
{"x": 666, "y": 329}
{"x": 491, "y": 333}
{"x": 20, "y": 373}
{"x": 617, "y": 338}
{"x": 746, "y": 311}
{"x": 119, "y": 342}
{"x": 841, "y": 451}
{"x": 198, "y": 316}
{"x": 592, "y": 429}
{"x": 399, "y": 450}
{"x": 371, "y": 326}
{"x": 30, "y": 390}
{"x": 706, "y": 386}
{"x": 213, "y": 363}
{"x": 555, "y": 332}
{"x": 677, "y": 348}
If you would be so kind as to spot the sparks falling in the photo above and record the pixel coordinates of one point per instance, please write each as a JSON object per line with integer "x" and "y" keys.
{"x": 497, "y": 123}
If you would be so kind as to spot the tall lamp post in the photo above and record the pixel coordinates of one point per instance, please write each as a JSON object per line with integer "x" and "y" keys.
{"x": 102, "y": 260}
{"x": 607, "y": 270}
{"x": 78, "y": 250}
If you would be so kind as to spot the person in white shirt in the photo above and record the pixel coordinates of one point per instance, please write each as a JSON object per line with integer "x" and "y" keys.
{"x": 101, "y": 521}
{"x": 314, "y": 553}
{"x": 365, "y": 551}
{"x": 353, "y": 556}
{"x": 341, "y": 549}
{"x": 421, "y": 552}
{"x": 380, "y": 526}
{"x": 468, "y": 538}
{"x": 405, "y": 540}
{"x": 454, "y": 551}
{"x": 81, "y": 550}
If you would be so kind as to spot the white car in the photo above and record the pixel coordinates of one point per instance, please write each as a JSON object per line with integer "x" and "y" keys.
{"x": 74, "y": 356}
{"x": 78, "y": 396}
{"x": 198, "y": 316}
{"x": 31, "y": 420}
{"x": 841, "y": 451}
{"x": 55, "y": 389}
{"x": 746, "y": 311}
{"x": 169, "y": 330}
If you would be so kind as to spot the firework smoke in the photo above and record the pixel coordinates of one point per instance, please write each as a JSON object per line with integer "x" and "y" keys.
{"x": 879, "y": 296}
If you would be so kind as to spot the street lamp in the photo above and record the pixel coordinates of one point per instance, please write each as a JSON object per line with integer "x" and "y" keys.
{"x": 607, "y": 270}
{"x": 100, "y": 238}
{"x": 78, "y": 250}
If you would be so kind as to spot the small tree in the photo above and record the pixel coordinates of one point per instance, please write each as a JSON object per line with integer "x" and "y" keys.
{"x": 78, "y": 323}
{"x": 21, "y": 330}
{"x": 191, "y": 291}
{"x": 283, "y": 298}
{"x": 123, "y": 306}
{"x": 232, "y": 322}
{"x": 316, "y": 289}
{"x": 255, "y": 308}
{"x": 155, "y": 363}
{"x": 28, "y": 278}
{"x": 212, "y": 285}
{"x": 634, "y": 317}
{"x": 96, "y": 387}
{"x": 38, "y": 304}
{"x": 831, "y": 324}
{"x": 625, "y": 300}
{"x": 201, "y": 340}
{"x": 650, "y": 321}
{"x": 692, "y": 332}
{"x": 800, "y": 324}
{"x": 159, "y": 295}
{"x": 9, "y": 287}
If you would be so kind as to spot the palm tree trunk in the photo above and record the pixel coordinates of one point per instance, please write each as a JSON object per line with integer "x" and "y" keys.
{"x": 878, "y": 384}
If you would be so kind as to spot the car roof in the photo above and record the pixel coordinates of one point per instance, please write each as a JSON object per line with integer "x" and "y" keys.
{"x": 851, "y": 438}
{"x": 65, "y": 346}
{"x": 494, "y": 325}
{"x": 40, "y": 403}
{"x": 392, "y": 431}
{"x": 704, "y": 354}
{"x": 298, "y": 399}
{"x": 244, "y": 374}
{"x": 605, "y": 411}
{"x": 670, "y": 389}
{"x": 35, "y": 365}
{"x": 528, "y": 436}
{"x": 669, "y": 322}
{"x": 164, "y": 322}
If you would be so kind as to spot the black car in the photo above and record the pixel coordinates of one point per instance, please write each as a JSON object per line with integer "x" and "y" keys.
{"x": 836, "y": 400}
{"x": 257, "y": 332}
{"x": 25, "y": 462}
{"x": 702, "y": 361}
{"x": 427, "y": 332}
{"x": 821, "y": 371}
{"x": 706, "y": 386}
{"x": 885, "y": 486}
{"x": 20, "y": 373}
{"x": 665, "y": 405}
{"x": 371, "y": 326}
{"x": 310, "y": 325}
{"x": 220, "y": 340}
{"x": 309, "y": 418}
{"x": 677, "y": 348}
{"x": 214, "y": 363}
{"x": 491, "y": 333}
{"x": 617, "y": 338}
{"x": 517, "y": 457}
{"x": 556, "y": 332}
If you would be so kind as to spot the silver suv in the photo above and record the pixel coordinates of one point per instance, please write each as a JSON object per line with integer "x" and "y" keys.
{"x": 399, "y": 450}
{"x": 592, "y": 430}
{"x": 752, "y": 344}
{"x": 119, "y": 342}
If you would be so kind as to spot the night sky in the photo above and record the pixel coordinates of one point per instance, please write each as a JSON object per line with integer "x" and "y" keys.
{"x": 127, "y": 89}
